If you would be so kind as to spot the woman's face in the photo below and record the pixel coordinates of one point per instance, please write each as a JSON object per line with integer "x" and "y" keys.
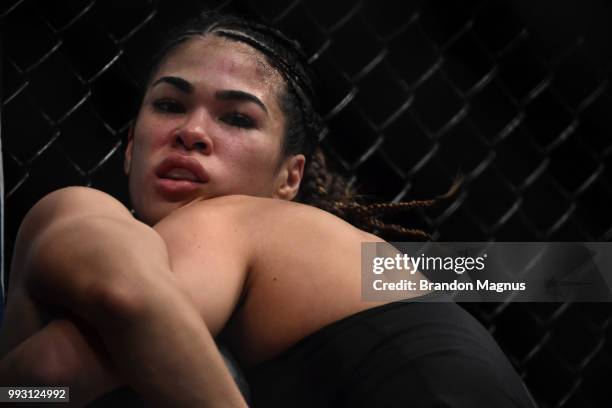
{"x": 209, "y": 125}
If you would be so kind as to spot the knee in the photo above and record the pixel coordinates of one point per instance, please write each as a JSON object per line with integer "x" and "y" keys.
{"x": 77, "y": 201}
{"x": 97, "y": 266}
{"x": 95, "y": 261}
{"x": 71, "y": 202}
{"x": 58, "y": 207}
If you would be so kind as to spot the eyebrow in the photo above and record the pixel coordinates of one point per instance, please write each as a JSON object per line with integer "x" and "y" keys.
{"x": 223, "y": 95}
{"x": 234, "y": 95}
{"x": 178, "y": 83}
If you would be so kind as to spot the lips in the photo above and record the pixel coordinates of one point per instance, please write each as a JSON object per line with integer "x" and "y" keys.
{"x": 178, "y": 168}
{"x": 179, "y": 177}
{"x": 180, "y": 174}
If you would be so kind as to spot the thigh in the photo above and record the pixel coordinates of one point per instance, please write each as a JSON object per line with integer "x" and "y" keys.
{"x": 48, "y": 347}
{"x": 24, "y": 316}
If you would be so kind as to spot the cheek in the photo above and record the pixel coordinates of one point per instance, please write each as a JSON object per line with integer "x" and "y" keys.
{"x": 151, "y": 132}
{"x": 265, "y": 154}
{"x": 255, "y": 161}
{"x": 146, "y": 143}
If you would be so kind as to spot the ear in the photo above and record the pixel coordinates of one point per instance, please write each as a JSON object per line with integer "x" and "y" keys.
{"x": 128, "y": 150}
{"x": 290, "y": 177}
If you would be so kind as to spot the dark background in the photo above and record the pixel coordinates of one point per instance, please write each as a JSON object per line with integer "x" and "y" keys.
{"x": 511, "y": 94}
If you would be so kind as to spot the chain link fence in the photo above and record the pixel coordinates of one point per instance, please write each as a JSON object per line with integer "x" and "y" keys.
{"x": 512, "y": 95}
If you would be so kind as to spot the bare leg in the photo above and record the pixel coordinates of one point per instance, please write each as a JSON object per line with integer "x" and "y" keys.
{"x": 41, "y": 344}
{"x": 120, "y": 283}
{"x": 62, "y": 353}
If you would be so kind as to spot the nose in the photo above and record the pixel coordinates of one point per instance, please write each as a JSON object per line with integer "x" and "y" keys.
{"x": 193, "y": 136}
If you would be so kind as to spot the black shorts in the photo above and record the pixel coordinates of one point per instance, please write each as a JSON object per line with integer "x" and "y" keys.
{"x": 404, "y": 354}
{"x": 422, "y": 353}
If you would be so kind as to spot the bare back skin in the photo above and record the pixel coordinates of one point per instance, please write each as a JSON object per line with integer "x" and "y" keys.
{"x": 290, "y": 269}
{"x": 263, "y": 272}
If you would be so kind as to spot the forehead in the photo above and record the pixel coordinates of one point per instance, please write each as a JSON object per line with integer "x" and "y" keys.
{"x": 221, "y": 63}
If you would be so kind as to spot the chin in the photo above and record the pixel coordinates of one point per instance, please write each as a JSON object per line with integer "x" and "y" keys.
{"x": 151, "y": 215}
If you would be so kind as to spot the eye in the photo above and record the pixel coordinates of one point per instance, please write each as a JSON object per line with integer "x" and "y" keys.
{"x": 238, "y": 120}
{"x": 168, "y": 106}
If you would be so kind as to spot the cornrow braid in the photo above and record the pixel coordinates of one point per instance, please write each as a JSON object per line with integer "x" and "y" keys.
{"x": 303, "y": 123}
{"x": 404, "y": 206}
{"x": 304, "y": 126}
{"x": 329, "y": 191}
{"x": 397, "y": 230}
{"x": 321, "y": 186}
{"x": 297, "y": 87}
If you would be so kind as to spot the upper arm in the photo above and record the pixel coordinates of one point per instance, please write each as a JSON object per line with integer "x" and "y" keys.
{"x": 209, "y": 254}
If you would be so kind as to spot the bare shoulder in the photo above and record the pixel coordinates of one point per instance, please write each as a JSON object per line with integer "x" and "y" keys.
{"x": 267, "y": 252}
{"x": 253, "y": 228}
{"x": 294, "y": 267}
{"x": 250, "y": 214}
{"x": 211, "y": 252}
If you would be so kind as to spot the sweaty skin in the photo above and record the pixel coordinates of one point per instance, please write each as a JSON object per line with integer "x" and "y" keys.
{"x": 242, "y": 257}
{"x": 266, "y": 283}
{"x": 94, "y": 304}
{"x": 237, "y": 142}
{"x": 300, "y": 267}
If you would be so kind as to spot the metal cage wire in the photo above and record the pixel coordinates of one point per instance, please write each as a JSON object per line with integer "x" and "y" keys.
{"x": 413, "y": 93}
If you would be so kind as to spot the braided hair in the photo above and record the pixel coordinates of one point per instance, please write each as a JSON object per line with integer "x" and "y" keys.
{"x": 304, "y": 126}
